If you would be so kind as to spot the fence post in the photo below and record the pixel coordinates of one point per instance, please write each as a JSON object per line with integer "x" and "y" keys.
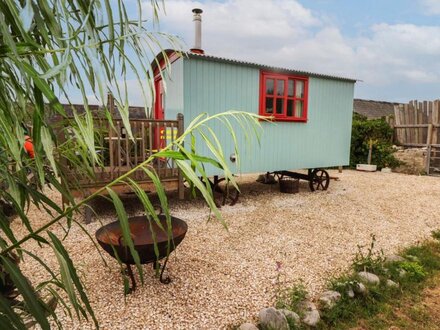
{"x": 428, "y": 149}
{"x": 181, "y": 187}
{"x": 435, "y": 121}
{"x": 397, "y": 121}
{"x": 111, "y": 106}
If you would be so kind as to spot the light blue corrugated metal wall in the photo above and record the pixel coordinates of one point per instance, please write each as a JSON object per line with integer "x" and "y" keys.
{"x": 323, "y": 141}
{"x": 174, "y": 90}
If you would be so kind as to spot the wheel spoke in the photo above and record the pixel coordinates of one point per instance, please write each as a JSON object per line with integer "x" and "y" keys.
{"x": 319, "y": 180}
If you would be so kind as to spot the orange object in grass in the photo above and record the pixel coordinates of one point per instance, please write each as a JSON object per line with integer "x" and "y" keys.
{"x": 29, "y": 146}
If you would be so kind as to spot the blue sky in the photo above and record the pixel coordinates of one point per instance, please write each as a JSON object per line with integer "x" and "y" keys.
{"x": 393, "y": 46}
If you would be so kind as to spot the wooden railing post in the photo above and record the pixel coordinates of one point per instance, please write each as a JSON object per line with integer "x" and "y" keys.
{"x": 180, "y": 129}
{"x": 111, "y": 107}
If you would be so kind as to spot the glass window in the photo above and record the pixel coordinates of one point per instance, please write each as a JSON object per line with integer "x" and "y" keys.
{"x": 269, "y": 86}
{"x": 283, "y": 97}
{"x": 289, "y": 108}
{"x": 280, "y": 106}
{"x": 299, "y": 109}
{"x": 280, "y": 87}
{"x": 290, "y": 89}
{"x": 299, "y": 89}
{"x": 269, "y": 105}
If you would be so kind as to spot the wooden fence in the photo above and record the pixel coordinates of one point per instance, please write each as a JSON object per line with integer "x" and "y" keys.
{"x": 417, "y": 124}
{"x": 119, "y": 154}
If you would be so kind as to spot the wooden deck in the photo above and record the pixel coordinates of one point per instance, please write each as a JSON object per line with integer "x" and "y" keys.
{"x": 119, "y": 154}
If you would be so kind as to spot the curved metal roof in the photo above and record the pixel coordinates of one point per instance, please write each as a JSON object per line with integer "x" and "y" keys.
{"x": 265, "y": 67}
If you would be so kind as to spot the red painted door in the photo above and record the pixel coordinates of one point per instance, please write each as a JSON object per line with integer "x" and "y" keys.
{"x": 159, "y": 111}
{"x": 159, "y": 114}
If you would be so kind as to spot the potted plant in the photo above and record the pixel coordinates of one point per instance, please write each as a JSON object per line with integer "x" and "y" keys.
{"x": 368, "y": 167}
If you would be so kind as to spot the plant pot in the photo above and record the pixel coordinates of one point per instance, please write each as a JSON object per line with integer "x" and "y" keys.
{"x": 366, "y": 167}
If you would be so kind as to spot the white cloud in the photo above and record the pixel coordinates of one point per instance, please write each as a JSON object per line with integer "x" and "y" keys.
{"x": 432, "y": 7}
{"x": 388, "y": 57}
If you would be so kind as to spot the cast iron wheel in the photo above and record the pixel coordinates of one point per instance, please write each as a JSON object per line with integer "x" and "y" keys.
{"x": 225, "y": 193}
{"x": 319, "y": 180}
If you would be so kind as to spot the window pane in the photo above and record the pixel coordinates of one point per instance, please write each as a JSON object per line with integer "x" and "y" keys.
{"x": 280, "y": 106}
{"x": 269, "y": 105}
{"x": 280, "y": 87}
{"x": 290, "y": 107}
{"x": 299, "y": 109}
{"x": 290, "y": 88}
{"x": 269, "y": 86}
{"x": 299, "y": 92}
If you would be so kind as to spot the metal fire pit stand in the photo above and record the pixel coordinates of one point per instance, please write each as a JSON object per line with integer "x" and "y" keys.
{"x": 156, "y": 265}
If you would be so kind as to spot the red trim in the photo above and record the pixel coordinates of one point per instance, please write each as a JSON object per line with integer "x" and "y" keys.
{"x": 172, "y": 57}
{"x": 157, "y": 69}
{"x": 278, "y": 115}
{"x": 197, "y": 51}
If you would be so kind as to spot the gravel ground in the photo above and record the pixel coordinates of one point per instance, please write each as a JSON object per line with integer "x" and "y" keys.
{"x": 222, "y": 278}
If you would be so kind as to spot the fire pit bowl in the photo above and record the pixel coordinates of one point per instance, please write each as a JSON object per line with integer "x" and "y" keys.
{"x": 111, "y": 240}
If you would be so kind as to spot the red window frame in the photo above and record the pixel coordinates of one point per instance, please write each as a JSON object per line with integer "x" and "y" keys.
{"x": 280, "y": 102}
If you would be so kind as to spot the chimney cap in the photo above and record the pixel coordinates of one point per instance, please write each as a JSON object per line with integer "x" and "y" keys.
{"x": 197, "y": 11}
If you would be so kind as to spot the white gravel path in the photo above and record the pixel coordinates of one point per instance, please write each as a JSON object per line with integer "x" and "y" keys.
{"x": 223, "y": 278}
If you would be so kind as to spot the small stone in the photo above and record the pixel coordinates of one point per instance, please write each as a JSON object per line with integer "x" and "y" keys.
{"x": 350, "y": 293}
{"x": 271, "y": 318}
{"x": 310, "y": 313}
{"x": 329, "y": 298}
{"x": 394, "y": 258}
{"x": 311, "y": 318}
{"x": 359, "y": 288}
{"x": 291, "y": 316}
{"x": 369, "y": 277}
{"x": 392, "y": 284}
{"x": 386, "y": 170}
{"x": 402, "y": 273}
{"x": 307, "y": 306}
{"x": 247, "y": 326}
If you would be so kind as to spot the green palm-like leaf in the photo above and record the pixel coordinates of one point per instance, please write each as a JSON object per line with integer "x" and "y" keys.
{"x": 125, "y": 228}
{"x": 8, "y": 318}
{"x": 48, "y": 49}
{"x": 71, "y": 280}
{"x": 33, "y": 304}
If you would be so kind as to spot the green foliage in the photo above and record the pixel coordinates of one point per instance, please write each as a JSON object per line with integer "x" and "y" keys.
{"x": 427, "y": 255}
{"x": 46, "y": 50}
{"x": 381, "y": 133}
{"x": 376, "y": 307}
{"x": 436, "y": 234}
{"x": 292, "y": 298}
{"x": 413, "y": 270}
{"x": 371, "y": 261}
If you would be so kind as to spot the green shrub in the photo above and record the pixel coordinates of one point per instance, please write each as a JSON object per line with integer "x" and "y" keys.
{"x": 292, "y": 298}
{"x": 381, "y": 133}
{"x": 414, "y": 270}
{"x": 427, "y": 254}
{"x": 371, "y": 261}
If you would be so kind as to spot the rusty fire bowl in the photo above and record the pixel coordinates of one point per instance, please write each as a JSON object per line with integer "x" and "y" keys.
{"x": 111, "y": 240}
